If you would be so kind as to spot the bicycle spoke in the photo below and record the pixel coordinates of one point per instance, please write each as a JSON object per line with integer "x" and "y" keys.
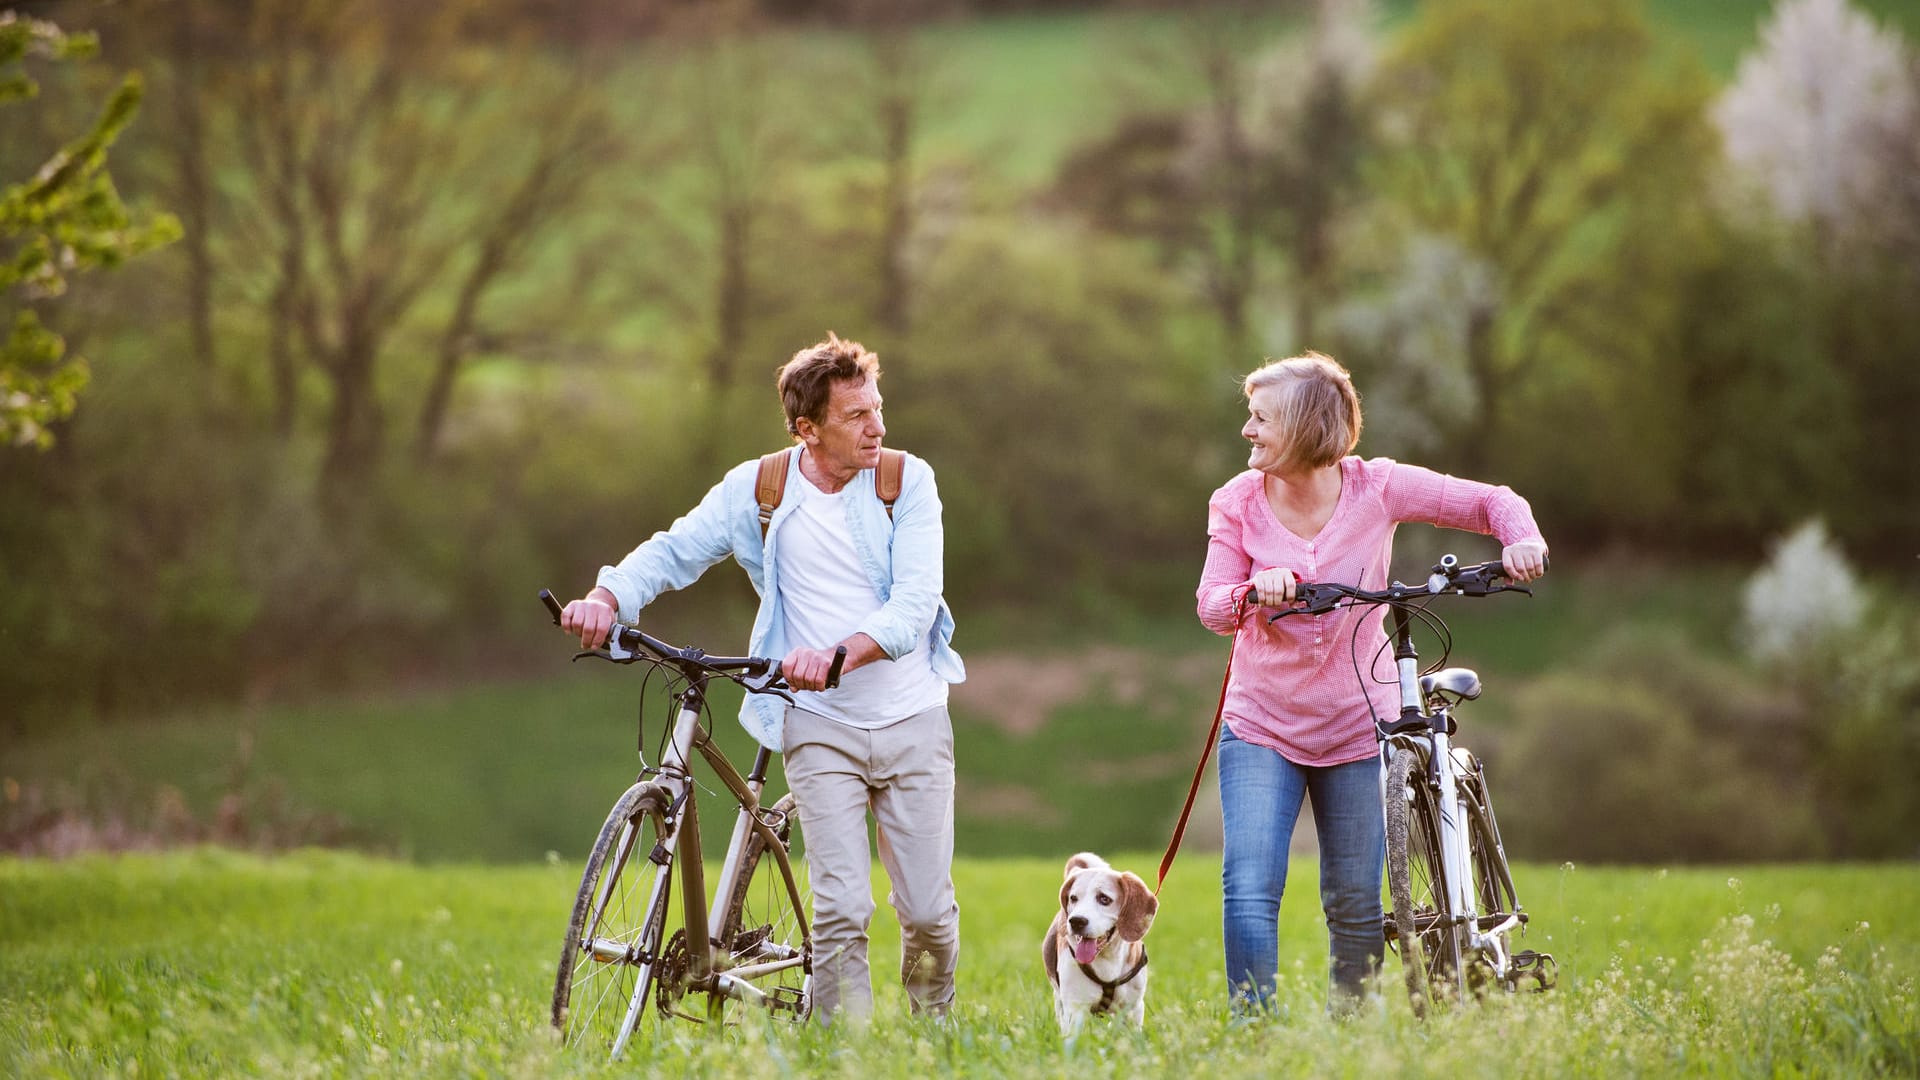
{"x": 610, "y": 953}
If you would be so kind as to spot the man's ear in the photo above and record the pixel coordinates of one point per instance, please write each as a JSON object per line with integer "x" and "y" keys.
{"x": 1137, "y": 906}
{"x": 806, "y": 430}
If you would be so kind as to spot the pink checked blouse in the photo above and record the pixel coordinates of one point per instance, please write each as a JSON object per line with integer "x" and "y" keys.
{"x": 1294, "y": 688}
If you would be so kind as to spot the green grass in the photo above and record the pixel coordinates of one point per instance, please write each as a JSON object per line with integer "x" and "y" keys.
{"x": 211, "y": 963}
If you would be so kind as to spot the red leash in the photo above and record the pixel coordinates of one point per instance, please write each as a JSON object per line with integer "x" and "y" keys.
{"x": 1213, "y": 736}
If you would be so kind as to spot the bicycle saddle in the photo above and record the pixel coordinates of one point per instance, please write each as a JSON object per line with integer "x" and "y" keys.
{"x": 1462, "y": 683}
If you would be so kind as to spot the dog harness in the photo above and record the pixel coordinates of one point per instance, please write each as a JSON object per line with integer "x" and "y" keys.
{"x": 1107, "y": 988}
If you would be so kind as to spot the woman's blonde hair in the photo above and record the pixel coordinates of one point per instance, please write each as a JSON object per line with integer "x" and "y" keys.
{"x": 1319, "y": 410}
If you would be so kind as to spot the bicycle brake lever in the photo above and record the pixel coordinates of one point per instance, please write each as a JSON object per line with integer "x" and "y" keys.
{"x": 1313, "y": 600}
{"x": 767, "y": 687}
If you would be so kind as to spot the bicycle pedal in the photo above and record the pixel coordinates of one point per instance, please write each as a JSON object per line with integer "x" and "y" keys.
{"x": 787, "y": 999}
{"x": 1537, "y": 968}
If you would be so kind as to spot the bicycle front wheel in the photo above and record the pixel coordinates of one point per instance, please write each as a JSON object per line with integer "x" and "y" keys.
{"x": 764, "y": 934}
{"x": 1416, "y": 881}
{"x": 609, "y": 959}
{"x": 1492, "y": 881}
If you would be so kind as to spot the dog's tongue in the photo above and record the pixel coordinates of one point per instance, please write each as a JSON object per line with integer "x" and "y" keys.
{"x": 1085, "y": 950}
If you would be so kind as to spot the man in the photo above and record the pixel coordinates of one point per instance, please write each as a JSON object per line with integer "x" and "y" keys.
{"x": 837, "y": 564}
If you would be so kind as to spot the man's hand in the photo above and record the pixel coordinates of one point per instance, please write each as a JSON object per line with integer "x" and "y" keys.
{"x": 806, "y": 669}
{"x": 591, "y": 617}
{"x": 1524, "y": 561}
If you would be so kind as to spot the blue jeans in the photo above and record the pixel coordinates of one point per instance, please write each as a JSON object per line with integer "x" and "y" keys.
{"x": 1260, "y": 797}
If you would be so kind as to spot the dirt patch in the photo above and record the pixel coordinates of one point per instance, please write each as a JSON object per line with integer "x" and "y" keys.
{"x": 1017, "y": 693}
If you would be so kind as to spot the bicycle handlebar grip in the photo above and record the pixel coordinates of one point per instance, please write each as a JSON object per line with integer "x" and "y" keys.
{"x": 833, "y": 673}
{"x": 553, "y": 606}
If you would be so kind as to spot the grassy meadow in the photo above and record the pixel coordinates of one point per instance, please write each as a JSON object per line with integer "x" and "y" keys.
{"x": 208, "y": 962}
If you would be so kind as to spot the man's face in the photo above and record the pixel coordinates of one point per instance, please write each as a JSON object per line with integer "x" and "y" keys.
{"x": 847, "y": 439}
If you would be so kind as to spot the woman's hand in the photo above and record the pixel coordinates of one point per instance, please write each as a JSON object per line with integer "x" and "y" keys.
{"x": 1273, "y": 587}
{"x": 1525, "y": 560}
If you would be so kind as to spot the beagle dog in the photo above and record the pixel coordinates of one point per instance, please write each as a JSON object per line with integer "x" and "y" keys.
{"x": 1093, "y": 952}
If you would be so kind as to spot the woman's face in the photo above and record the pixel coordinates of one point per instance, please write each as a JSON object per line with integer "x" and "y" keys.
{"x": 1262, "y": 429}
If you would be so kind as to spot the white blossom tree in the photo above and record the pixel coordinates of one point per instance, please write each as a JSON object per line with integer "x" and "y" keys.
{"x": 1810, "y": 112}
{"x": 1805, "y": 594}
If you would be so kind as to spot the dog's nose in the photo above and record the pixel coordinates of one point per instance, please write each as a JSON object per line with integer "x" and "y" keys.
{"x": 1078, "y": 923}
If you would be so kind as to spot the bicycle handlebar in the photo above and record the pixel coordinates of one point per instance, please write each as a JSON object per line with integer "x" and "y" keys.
{"x": 632, "y": 640}
{"x": 1447, "y": 577}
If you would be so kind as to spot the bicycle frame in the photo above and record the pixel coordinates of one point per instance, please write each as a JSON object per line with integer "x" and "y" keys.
{"x": 680, "y": 838}
{"x": 1431, "y": 734}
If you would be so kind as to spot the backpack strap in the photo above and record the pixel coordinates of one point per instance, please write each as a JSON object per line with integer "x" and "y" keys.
{"x": 889, "y": 476}
{"x": 771, "y": 485}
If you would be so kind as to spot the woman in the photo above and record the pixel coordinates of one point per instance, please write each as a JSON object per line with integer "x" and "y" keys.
{"x": 1298, "y": 722}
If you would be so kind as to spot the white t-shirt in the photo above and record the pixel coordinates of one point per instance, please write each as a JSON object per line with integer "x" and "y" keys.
{"x": 826, "y": 595}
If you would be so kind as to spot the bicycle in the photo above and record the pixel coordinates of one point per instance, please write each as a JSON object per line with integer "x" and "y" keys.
{"x": 617, "y": 952}
{"x": 1454, "y": 905}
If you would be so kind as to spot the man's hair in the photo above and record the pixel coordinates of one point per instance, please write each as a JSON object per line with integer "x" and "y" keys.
{"x": 1318, "y": 406}
{"x": 806, "y": 381}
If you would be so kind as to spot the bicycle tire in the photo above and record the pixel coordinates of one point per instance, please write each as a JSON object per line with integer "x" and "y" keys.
{"x": 764, "y": 920}
{"x": 1416, "y": 881}
{"x": 597, "y": 998}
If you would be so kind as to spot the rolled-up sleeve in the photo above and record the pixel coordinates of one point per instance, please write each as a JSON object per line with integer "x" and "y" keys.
{"x": 1417, "y": 494}
{"x": 675, "y": 558}
{"x": 1228, "y": 567}
{"x": 919, "y": 551}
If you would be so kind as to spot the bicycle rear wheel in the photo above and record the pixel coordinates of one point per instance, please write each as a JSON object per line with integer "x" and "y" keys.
{"x": 1416, "y": 881}
{"x": 764, "y": 931}
{"x": 613, "y": 943}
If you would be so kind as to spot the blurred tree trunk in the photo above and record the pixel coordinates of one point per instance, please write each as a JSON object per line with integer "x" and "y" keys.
{"x": 194, "y": 200}
{"x": 899, "y": 70}
{"x": 731, "y": 127}
{"x": 568, "y": 148}
{"x": 1230, "y": 242}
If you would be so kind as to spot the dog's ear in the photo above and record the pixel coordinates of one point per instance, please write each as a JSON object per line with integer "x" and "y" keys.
{"x": 1082, "y": 861}
{"x": 1137, "y": 906}
{"x": 1067, "y": 884}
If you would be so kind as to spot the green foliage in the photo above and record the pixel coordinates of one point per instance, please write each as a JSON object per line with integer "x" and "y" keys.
{"x": 1080, "y": 471}
{"x": 1651, "y": 752}
{"x": 1867, "y": 699}
{"x": 65, "y": 219}
{"x": 1562, "y": 145}
{"x": 209, "y": 962}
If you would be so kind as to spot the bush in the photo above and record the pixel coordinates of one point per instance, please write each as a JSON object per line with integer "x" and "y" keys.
{"x": 1655, "y": 753}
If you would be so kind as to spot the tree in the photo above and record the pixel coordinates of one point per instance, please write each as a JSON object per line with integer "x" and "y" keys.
{"x": 1314, "y": 128}
{"x": 1556, "y": 146}
{"x": 1821, "y": 127}
{"x": 67, "y": 218}
{"x": 1809, "y": 112}
{"x": 387, "y": 159}
{"x": 1266, "y": 165}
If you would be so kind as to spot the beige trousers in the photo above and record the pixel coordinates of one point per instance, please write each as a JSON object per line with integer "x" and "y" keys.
{"x": 903, "y": 774}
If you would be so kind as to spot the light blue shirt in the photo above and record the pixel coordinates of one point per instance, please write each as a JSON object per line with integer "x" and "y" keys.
{"x": 902, "y": 557}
